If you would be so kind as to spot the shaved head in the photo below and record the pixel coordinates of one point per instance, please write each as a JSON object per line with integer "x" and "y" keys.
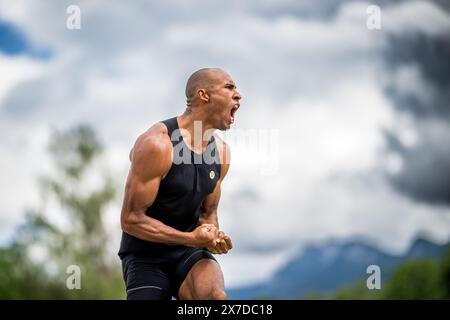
{"x": 201, "y": 79}
{"x": 212, "y": 96}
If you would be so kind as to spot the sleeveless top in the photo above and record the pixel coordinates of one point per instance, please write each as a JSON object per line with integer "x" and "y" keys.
{"x": 181, "y": 193}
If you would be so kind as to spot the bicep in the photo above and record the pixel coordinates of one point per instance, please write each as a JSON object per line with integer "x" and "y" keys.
{"x": 140, "y": 193}
{"x": 147, "y": 167}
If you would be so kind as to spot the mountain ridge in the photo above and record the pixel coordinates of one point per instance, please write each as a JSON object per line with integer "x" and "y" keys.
{"x": 323, "y": 268}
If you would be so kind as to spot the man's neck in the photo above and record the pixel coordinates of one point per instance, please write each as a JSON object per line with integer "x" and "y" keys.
{"x": 198, "y": 129}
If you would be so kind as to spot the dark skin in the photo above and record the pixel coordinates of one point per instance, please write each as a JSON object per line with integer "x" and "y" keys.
{"x": 212, "y": 98}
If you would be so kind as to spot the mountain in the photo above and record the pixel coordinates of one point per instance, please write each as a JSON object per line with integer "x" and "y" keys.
{"x": 325, "y": 268}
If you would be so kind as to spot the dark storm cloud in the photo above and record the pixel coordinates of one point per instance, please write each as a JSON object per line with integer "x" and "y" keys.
{"x": 431, "y": 56}
{"x": 425, "y": 174}
{"x": 426, "y": 167}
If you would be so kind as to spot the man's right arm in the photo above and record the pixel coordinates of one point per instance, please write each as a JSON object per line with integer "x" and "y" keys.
{"x": 151, "y": 159}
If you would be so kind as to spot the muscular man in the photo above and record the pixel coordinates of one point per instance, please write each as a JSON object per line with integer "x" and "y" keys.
{"x": 169, "y": 214}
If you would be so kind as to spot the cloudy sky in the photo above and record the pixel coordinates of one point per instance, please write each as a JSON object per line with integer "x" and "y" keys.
{"x": 343, "y": 130}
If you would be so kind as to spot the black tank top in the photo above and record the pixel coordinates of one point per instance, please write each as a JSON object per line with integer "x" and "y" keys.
{"x": 181, "y": 193}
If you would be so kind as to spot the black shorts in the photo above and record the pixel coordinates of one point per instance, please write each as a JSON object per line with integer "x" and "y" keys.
{"x": 158, "y": 276}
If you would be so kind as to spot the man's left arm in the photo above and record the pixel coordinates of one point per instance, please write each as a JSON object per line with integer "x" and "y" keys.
{"x": 208, "y": 210}
{"x": 208, "y": 213}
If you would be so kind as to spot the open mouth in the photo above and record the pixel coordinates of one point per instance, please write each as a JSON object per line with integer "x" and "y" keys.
{"x": 233, "y": 111}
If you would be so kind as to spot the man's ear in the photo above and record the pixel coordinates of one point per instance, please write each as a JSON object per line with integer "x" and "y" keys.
{"x": 203, "y": 95}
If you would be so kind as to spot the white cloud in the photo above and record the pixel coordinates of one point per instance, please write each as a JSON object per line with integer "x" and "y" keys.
{"x": 15, "y": 70}
{"x": 413, "y": 16}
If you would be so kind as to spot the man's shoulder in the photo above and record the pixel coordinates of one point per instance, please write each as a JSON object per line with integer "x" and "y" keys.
{"x": 153, "y": 141}
{"x": 157, "y": 131}
{"x": 156, "y": 134}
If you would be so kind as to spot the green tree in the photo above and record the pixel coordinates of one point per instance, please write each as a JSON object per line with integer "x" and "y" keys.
{"x": 78, "y": 239}
{"x": 21, "y": 279}
{"x": 445, "y": 272}
{"x": 416, "y": 279}
{"x": 413, "y": 279}
{"x": 358, "y": 291}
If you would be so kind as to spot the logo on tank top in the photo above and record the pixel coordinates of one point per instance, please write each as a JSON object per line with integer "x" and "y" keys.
{"x": 212, "y": 174}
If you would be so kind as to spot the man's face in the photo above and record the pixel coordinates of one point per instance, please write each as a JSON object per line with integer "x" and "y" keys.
{"x": 225, "y": 101}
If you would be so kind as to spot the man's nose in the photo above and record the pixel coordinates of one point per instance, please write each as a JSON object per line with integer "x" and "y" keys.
{"x": 237, "y": 96}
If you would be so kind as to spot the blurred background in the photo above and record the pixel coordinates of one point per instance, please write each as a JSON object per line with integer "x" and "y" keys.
{"x": 340, "y": 150}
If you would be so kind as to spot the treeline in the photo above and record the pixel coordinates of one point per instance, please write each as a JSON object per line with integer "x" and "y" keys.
{"x": 61, "y": 251}
{"x": 414, "y": 279}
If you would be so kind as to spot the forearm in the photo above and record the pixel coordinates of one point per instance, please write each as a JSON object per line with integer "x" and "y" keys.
{"x": 209, "y": 218}
{"x": 153, "y": 230}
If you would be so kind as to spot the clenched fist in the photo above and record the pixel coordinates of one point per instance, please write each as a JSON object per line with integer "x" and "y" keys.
{"x": 222, "y": 244}
{"x": 205, "y": 235}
